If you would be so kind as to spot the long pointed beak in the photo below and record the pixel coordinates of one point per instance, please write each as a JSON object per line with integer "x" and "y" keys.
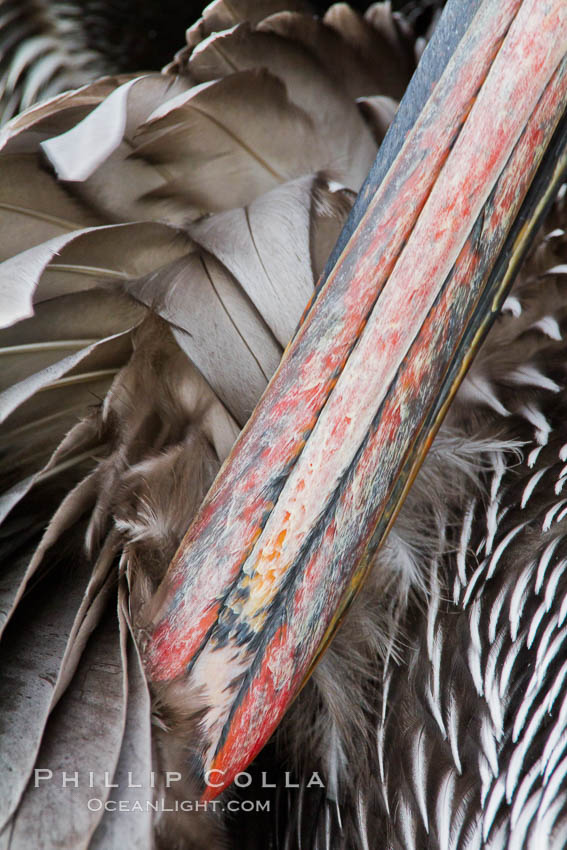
{"x": 285, "y": 537}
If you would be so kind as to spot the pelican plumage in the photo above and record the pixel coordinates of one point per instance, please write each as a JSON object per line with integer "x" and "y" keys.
{"x": 160, "y": 237}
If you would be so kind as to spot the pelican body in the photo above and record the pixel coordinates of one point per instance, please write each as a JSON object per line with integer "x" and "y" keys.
{"x": 367, "y": 603}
